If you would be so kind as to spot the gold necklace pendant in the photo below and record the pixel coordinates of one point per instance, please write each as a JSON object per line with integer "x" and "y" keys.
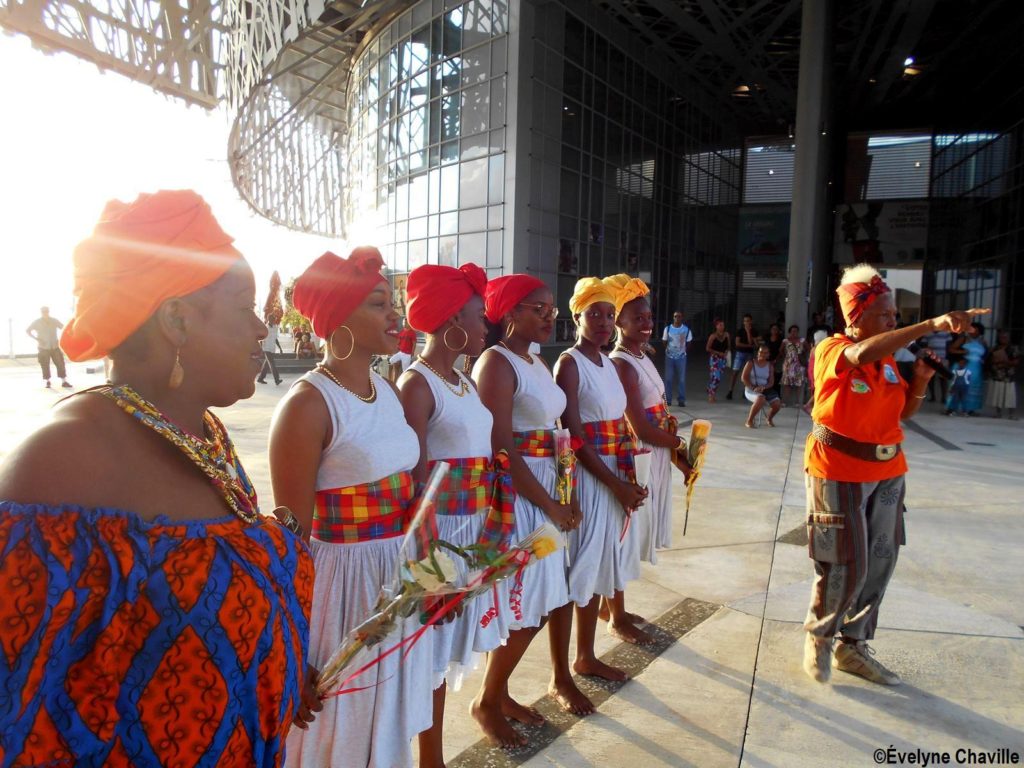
{"x": 527, "y": 358}
{"x": 330, "y": 375}
{"x": 630, "y": 352}
{"x": 463, "y": 387}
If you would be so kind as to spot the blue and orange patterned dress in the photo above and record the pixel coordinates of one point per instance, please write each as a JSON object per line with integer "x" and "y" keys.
{"x": 126, "y": 642}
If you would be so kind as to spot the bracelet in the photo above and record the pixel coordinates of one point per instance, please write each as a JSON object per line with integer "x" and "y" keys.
{"x": 681, "y": 445}
{"x": 919, "y": 397}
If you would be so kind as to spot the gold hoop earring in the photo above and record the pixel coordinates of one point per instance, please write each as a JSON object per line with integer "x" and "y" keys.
{"x": 510, "y": 330}
{"x": 330, "y": 343}
{"x": 465, "y": 338}
{"x": 177, "y": 372}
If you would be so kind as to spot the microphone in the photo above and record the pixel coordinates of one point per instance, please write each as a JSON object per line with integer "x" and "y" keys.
{"x": 921, "y": 353}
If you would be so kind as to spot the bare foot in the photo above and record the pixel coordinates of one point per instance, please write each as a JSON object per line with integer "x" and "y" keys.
{"x": 635, "y": 618}
{"x": 597, "y": 668}
{"x": 629, "y": 634}
{"x": 521, "y": 713}
{"x": 496, "y": 728}
{"x": 571, "y": 699}
{"x": 771, "y": 423}
{"x": 603, "y": 613}
{"x": 748, "y": 425}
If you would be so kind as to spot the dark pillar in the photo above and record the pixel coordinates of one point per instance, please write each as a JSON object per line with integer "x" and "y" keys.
{"x": 809, "y": 216}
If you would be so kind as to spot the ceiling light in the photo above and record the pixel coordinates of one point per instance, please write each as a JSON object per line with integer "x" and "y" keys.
{"x": 908, "y": 61}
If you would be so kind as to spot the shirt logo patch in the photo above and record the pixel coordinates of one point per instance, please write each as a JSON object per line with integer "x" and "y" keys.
{"x": 890, "y": 374}
{"x": 859, "y": 387}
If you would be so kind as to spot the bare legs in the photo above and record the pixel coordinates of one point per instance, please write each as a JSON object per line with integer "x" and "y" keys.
{"x": 756, "y": 407}
{"x": 431, "y": 743}
{"x": 493, "y": 704}
{"x": 562, "y": 687}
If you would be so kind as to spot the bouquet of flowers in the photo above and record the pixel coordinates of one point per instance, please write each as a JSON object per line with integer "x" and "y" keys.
{"x": 695, "y": 450}
{"x": 433, "y": 578}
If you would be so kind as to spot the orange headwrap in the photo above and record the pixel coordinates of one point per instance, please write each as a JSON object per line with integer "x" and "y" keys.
{"x": 503, "y": 293}
{"x": 140, "y": 254}
{"x": 437, "y": 292}
{"x": 856, "y": 297}
{"x": 625, "y": 289}
{"x": 332, "y": 288}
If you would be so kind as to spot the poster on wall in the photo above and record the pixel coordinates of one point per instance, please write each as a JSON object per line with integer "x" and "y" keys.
{"x": 764, "y": 236}
{"x": 881, "y": 232}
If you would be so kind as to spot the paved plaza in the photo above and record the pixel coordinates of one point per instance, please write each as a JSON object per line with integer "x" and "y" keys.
{"x": 729, "y": 599}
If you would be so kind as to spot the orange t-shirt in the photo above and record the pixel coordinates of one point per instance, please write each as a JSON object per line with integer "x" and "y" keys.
{"x": 862, "y": 403}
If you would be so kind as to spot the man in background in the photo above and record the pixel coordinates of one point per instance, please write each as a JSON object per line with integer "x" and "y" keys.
{"x": 677, "y": 338}
{"x": 403, "y": 358}
{"x": 44, "y": 331}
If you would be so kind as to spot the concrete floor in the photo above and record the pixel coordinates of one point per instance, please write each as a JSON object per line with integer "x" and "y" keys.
{"x": 730, "y": 691}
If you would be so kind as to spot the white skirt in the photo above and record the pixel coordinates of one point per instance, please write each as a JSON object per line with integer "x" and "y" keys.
{"x": 1002, "y": 394}
{"x": 544, "y": 586}
{"x": 371, "y": 728}
{"x": 652, "y": 523}
{"x": 459, "y": 643}
{"x": 600, "y": 565}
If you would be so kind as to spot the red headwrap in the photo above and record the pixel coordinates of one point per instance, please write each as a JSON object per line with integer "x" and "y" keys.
{"x": 503, "y": 293}
{"x": 332, "y": 288}
{"x": 140, "y": 254}
{"x": 437, "y": 292}
{"x": 856, "y": 297}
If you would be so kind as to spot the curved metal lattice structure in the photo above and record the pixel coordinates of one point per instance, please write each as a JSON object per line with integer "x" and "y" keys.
{"x": 287, "y": 144}
{"x": 176, "y": 48}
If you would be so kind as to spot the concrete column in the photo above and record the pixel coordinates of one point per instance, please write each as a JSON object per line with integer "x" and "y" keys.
{"x": 809, "y": 214}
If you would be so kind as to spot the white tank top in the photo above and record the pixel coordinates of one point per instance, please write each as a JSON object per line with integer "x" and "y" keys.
{"x": 652, "y": 388}
{"x": 459, "y": 427}
{"x": 601, "y": 396}
{"x": 537, "y": 401}
{"x": 370, "y": 440}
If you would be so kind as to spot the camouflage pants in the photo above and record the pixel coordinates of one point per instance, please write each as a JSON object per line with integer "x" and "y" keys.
{"x": 854, "y": 532}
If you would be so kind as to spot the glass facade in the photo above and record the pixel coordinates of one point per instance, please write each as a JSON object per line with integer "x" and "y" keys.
{"x": 426, "y": 141}
{"x": 627, "y": 173}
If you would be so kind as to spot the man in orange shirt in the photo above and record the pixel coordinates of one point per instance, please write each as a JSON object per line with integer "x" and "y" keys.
{"x": 855, "y": 471}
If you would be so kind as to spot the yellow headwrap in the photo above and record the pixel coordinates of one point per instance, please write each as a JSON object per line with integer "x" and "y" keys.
{"x": 589, "y": 290}
{"x": 625, "y": 289}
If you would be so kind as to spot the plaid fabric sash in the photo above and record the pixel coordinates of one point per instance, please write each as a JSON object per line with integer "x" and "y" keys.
{"x": 660, "y": 417}
{"x": 613, "y": 438}
{"x": 377, "y": 510}
{"x": 537, "y": 443}
{"x": 481, "y": 485}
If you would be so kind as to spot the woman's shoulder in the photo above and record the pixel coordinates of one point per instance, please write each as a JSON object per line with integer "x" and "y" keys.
{"x": 71, "y": 456}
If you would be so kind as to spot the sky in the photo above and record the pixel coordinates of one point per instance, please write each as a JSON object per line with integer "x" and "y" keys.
{"x": 73, "y": 137}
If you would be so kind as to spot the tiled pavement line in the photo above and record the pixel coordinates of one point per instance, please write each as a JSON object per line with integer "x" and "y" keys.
{"x": 633, "y": 659}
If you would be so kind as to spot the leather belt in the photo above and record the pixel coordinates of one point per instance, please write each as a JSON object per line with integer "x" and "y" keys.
{"x": 854, "y": 448}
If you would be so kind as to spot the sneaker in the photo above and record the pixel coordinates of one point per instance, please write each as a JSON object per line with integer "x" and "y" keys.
{"x": 817, "y": 653}
{"x": 261, "y": 381}
{"x": 682, "y": 403}
{"x": 858, "y": 659}
{"x": 65, "y": 385}
{"x": 48, "y": 384}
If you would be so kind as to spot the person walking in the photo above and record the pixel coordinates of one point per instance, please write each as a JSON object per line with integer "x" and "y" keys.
{"x": 855, "y": 472}
{"x": 677, "y": 337}
{"x": 43, "y": 331}
{"x": 271, "y": 346}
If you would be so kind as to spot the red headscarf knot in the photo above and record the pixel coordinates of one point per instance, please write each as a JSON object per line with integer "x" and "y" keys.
{"x": 332, "y": 288}
{"x": 857, "y": 297}
{"x": 437, "y": 292}
{"x": 503, "y": 293}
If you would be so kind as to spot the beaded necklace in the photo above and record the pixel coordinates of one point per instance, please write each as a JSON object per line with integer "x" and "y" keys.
{"x": 215, "y": 457}
{"x": 463, "y": 387}
{"x": 330, "y": 375}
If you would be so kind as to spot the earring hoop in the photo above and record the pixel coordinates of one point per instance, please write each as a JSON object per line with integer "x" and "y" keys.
{"x": 351, "y": 349}
{"x": 465, "y": 338}
{"x": 510, "y": 330}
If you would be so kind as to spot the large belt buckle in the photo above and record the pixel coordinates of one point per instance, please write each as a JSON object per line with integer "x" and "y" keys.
{"x": 886, "y": 452}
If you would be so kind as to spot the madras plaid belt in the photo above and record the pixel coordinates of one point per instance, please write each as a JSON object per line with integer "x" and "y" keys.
{"x": 377, "y": 510}
{"x": 537, "y": 443}
{"x": 660, "y": 417}
{"x": 612, "y": 438}
{"x": 481, "y": 484}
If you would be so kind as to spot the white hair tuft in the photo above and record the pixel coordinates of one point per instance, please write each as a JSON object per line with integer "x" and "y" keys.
{"x": 859, "y": 273}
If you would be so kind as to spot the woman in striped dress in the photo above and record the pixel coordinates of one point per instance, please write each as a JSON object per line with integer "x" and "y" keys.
{"x": 341, "y": 457}
{"x": 602, "y": 562}
{"x": 517, "y": 388}
{"x": 474, "y": 506}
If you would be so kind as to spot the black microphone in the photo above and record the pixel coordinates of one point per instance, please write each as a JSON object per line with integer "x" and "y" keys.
{"x": 921, "y": 353}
